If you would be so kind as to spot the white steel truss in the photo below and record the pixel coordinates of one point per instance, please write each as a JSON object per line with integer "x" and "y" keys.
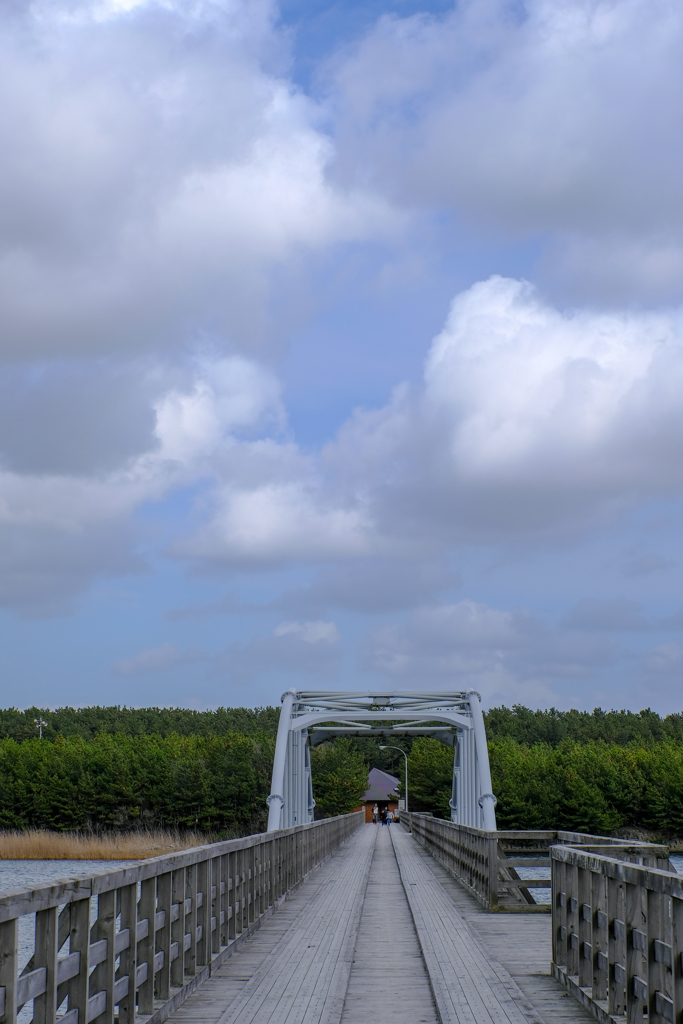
{"x": 309, "y": 717}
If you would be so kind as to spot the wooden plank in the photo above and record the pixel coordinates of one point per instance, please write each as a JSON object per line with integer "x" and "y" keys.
{"x": 469, "y": 986}
{"x": 305, "y": 981}
{"x": 388, "y": 977}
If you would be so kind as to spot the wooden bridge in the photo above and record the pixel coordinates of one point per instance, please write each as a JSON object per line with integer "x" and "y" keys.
{"x": 339, "y": 921}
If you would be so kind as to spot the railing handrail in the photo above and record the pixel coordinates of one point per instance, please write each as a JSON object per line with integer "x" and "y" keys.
{"x": 65, "y": 890}
{"x": 485, "y": 863}
{"x": 657, "y": 879}
{"x": 617, "y": 917}
{"x": 561, "y": 835}
{"x": 161, "y": 926}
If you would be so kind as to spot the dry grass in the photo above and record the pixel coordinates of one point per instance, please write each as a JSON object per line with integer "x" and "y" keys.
{"x": 34, "y": 845}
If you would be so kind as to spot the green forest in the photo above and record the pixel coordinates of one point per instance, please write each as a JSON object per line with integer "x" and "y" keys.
{"x": 111, "y": 769}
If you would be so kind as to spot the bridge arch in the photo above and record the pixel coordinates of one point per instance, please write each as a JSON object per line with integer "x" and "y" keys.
{"x": 309, "y": 717}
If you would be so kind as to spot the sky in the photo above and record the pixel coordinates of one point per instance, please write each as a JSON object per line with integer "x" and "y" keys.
{"x": 341, "y": 347}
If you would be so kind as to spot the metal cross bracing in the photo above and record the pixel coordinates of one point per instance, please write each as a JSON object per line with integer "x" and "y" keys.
{"x": 309, "y": 717}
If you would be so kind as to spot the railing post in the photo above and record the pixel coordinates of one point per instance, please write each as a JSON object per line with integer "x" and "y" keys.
{"x": 203, "y": 954}
{"x": 599, "y": 936}
{"x": 9, "y": 969}
{"x": 216, "y": 903}
{"x": 145, "y": 951}
{"x": 251, "y": 871}
{"x": 559, "y": 912}
{"x": 584, "y": 896}
{"x": 677, "y": 955}
{"x": 45, "y": 1005}
{"x": 239, "y": 902}
{"x": 162, "y": 984}
{"x": 616, "y": 903}
{"x": 128, "y": 908}
{"x": 102, "y": 978}
{"x": 79, "y": 942}
{"x": 659, "y": 975}
{"x": 232, "y": 896}
{"x": 636, "y": 955}
{"x": 178, "y": 928}
{"x": 191, "y": 920}
{"x": 492, "y": 844}
{"x": 224, "y": 918}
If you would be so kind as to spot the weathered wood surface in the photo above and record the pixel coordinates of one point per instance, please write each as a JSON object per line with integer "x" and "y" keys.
{"x": 305, "y": 980}
{"x": 521, "y": 943}
{"x": 193, "y": 910}
{"x": 281, "y": 975}
{"x": 470, "y": 986}
{"x": 389, "y": 980}
{"x": 618, "y": 933}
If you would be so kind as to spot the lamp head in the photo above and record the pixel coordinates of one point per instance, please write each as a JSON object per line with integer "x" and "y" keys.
{"x": 381, "y": 747}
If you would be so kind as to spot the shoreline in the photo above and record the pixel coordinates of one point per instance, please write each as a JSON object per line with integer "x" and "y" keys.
{"x": 43, "y": 845}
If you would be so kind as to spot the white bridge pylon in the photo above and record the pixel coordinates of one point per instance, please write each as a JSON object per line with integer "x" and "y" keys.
{"x": 309, "y": 717}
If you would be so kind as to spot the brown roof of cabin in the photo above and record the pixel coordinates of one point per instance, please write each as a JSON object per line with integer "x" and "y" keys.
{"x": 381, "y": 786}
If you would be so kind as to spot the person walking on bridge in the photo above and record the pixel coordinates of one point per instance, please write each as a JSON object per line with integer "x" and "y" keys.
{"x": 375, "y": 813}
{"x": 390, "y": 816}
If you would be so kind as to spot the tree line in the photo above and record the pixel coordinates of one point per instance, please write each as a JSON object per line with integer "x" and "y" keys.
{"x": 112, "y": 768}
{"x": 90, "y": 722}
{"x": 591, "y": 787}
{"x": 216, "y": 784}
{"x": 518, "y": 723}
{"x": 554, "y": 727}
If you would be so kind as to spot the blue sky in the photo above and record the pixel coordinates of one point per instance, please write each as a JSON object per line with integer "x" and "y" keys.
{"x": 342, "y": 345}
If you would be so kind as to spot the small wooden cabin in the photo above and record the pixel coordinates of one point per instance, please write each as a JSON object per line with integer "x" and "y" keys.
{"x": 381, "y": 791}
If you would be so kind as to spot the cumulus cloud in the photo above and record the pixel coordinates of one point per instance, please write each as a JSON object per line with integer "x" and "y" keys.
{"x": 61, "y": 528}
{"x": 309, "y": 632}
{"x": 529, "y": 419}
{"x": 531, "y": 422}
{"x": 372, "y": 584}
{"x": 498, "y": 651}
{"x": 610, "y": 615}
{"x": 531, "y": 120}
{"x": 309, "y": 647}
{"x": 157, "y": 659}
{"x": 157, "y": 165}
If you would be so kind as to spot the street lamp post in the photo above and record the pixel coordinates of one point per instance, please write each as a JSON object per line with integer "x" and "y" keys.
{"x": 389, "y": 747}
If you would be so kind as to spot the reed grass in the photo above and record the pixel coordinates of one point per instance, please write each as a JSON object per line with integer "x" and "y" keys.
{"x": 43, "y": 845}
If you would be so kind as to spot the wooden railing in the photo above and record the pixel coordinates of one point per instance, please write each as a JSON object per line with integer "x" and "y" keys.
{"x": 487, "y": 863}
{"x": 135, "y": 942}
{"x": 618, "y": 931}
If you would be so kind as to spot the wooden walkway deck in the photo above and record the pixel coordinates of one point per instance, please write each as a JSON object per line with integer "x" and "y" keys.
{"x": 350, "y": 947}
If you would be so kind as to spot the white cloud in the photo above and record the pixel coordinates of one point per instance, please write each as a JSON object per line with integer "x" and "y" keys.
{"x": 60, "y": 529}
{"x": 228, "y": 394}
{"x": 531, "y": 120}
{"x": 529, "y": 420}
{"x": 292, "y": 647}
{"x": 506, "y": 655}
{"x": 666, "y": 659}
{"x": 530, "y": 423}
{"x": 267, "y": 519}
{"x": 610, "y": 615}
{"x": 310, "y": 632}
{"x": 157, "y": 167}
{"x": 156, "y": 659}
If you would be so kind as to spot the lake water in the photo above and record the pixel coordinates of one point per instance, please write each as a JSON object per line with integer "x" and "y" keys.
{"x": 18, "y": 874}
{"x": 544, "y": 895}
